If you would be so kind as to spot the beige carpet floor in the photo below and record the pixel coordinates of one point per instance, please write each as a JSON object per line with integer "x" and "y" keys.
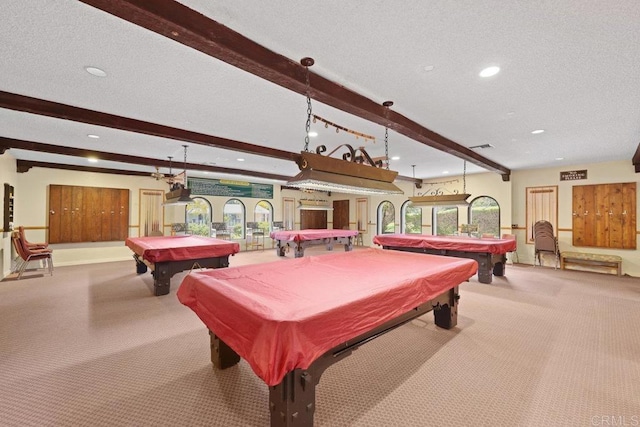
{"x": 91, "y": 346}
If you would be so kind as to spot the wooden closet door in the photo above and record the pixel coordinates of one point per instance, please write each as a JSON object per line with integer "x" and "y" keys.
{"x": 66, "y": 214}
{"x": 55, "y": 208}
{"x": 601, "y": 233}
{"x": 123, "y": 215}
{"x": 77, "y": 214}
{"x": 106, "y": 217}
{"x": 615, "y": 217}
{"x": 578, "y": 216}
{"x": 629, "y": 215}
{"x": 92, "y": 231}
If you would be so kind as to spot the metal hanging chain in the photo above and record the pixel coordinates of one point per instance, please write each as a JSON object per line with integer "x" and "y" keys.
{"x": 464, "y": 178}
{"x": 309, "y": 111}
{"x": 386, "y": 145}
{"x": 387, "y": 104}
{"x": 185, "y": 166}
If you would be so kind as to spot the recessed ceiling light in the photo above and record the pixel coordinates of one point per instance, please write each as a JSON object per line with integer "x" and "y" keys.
{"x": 395, "y": 158}
{"x": 429, "y": 68}
{"x": 510, "y": 113}
{"x": 92, "y": 160}
{"x": 537, "y": 131}
{"x": 445, "y": 172}
{"x": 559, "y": 158}
{"x": 313, "y": 134}
{"x": 93, "y": 136}
{"x": 490, "y": 71}
{"x": 240, "y": 160}
{"x": 95, "y": 71}
{"x": 206, "y": 173}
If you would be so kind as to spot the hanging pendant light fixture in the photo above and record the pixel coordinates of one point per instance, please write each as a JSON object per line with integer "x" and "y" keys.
{"x": 354, "y": 173}
{"x": 438, "y": 198}
{"x": 179, "y": 194}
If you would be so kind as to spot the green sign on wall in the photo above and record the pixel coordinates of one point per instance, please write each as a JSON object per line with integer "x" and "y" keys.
{"x": 229, "y": 188}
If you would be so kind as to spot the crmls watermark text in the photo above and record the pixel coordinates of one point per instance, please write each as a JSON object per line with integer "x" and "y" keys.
{"x": 615, "y": 420}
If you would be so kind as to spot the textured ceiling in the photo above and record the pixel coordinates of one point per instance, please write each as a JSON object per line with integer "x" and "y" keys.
{"x": 568, "y": 67}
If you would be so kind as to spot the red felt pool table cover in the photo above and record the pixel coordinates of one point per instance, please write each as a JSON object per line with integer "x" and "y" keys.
{"x": 312, "y": 234}
{"x": 453, "y": 243}
{"x": 283, "y": 315}
{"x": 179, "y": 248}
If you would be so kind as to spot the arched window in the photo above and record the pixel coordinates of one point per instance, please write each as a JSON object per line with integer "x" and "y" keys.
{"x": 386, "y": 218}
{"x": 444, "y": 221}
{"x": 485, "y": 212}
{"x": 263, "y": 215}
{"x": 199, "y": 214}
{"x": 234, "y": 217}
{"x": 411, "y": 218}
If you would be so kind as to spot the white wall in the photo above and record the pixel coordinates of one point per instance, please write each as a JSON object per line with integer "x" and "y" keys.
{"x": 597, "y": 173}
{"x": 32, "y": 210}
{"x": 8, "y": 175}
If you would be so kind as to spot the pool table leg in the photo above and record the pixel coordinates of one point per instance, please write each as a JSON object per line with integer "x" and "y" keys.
{"x": 293, "y": 401}
{"x": 161, "y": 278}
{"x": 299, "y": 250}
{"x": 446, "y": 312}
{"x": 141, "y": 267}
{"x": 222, "y": 356}
{"x": 485, "y": 268}
{"x": 280, "y": 248}
{"x": 499, "y": 263}
{"x": 348, "y": 246}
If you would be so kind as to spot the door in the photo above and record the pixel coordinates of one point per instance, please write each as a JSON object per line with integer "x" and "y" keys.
{"x": 341, "y": 214}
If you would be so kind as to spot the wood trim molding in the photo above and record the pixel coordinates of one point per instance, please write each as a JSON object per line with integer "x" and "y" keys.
{"x": 8, "y": 143}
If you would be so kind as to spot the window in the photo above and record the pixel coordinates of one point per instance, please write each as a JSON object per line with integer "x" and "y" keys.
{"x": 362, "y": 215}
{"x": 234, "y": 216}
{"x": 542, "y": 204}
{"x": 411, "y": 219}
{"x": 263, "y": 214}
{"x": 199, "y": 214}
{"x": 288, "y": 212}
{"x": 484, "y": 211}
{"x": 445, "y": 220}
{"x": 386, "y": 218}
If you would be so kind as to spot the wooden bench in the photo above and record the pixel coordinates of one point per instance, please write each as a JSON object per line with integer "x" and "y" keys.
{"x": 597, "y": 261}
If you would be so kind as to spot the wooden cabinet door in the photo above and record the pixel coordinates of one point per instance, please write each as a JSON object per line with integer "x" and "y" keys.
{"x": 629, "y": 215}
{"x": 66, "y": 213}
{"x": 105, "y": 213}
{"x": 615, "y": 218}
{"x": 310, "y": 219}
{"x": 604, "y": 215}
{"x": 87, "y": 214}
{"x": 123, "y": 215}
{"x": 578, "y": 216}
{"x": 77, "y": 214}
{"x": 55, "y": 207}
{"x": 92, "y": 230}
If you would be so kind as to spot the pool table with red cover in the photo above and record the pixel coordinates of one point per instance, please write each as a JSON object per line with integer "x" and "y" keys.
{"x": 305, "y": 238}
{"x": 168, "y": 255}
{"x": 490, "y": 253}
{"x": 290, "y": 320}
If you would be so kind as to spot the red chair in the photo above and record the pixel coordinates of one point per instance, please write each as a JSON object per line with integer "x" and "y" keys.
{"x": 26, "y": 255}
{"x": 29, "y": 244}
